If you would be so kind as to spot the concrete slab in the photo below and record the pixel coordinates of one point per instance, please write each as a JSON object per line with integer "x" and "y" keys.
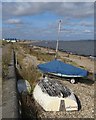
{"x": 9, "y": 98}
{"x": 0, "y": 83}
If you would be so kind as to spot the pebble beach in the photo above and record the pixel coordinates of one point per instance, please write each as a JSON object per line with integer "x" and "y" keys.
{"x": 84, "y": 89}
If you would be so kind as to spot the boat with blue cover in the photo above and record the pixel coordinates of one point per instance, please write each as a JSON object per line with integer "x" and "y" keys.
{"x": 61, "y": 69}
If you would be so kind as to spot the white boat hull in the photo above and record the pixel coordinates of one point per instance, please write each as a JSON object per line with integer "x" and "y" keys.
{"x": 63, "y": 75}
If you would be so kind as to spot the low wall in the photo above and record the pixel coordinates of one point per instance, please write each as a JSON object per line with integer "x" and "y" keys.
{"x": 0, "y": 83}
{"x": 10, "y": 107}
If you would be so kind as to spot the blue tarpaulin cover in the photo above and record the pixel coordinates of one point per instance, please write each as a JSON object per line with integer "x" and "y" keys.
{"x": 57, "y": 66}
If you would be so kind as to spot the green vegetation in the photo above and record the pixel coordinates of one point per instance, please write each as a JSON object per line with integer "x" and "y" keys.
{"x": 4, "y": 42}
{"x": 70, "y": 62}
{"x": 41, "y": 56}
{"x": 31, "y": 74}
{"x": 27, "y": 71}
{"x": 0, "y": 42}
{"x": 6, "y": 56}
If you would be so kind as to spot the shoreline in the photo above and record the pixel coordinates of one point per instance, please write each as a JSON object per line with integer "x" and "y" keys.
{"x": 69, "y": 52}
{"x": 37, "y": 43}
{"x": 83, "y": 48}
{"x": 82, "y": 61}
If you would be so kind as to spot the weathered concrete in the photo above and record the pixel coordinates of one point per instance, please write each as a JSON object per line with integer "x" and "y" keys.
{"x": 9, "y": 99}
{"x": 0, "y": 83}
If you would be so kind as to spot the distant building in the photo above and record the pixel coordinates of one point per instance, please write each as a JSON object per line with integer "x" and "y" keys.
{"x": 13, "y": 40}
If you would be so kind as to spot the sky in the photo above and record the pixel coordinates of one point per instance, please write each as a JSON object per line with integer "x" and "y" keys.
{"x": 39, "y": 20}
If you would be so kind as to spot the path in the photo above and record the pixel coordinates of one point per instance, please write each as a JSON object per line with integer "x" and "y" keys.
{"x": 0, "y": 83}
{"x": 9, "y": 99}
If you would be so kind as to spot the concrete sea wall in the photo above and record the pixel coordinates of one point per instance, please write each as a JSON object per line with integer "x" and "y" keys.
{"x": 10, "y": 107}
{"x": 0, "y": 83}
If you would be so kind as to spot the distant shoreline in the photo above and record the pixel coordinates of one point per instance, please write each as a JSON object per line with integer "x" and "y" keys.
{"x": 62, "y": 50}
{"x": 84, "y": 48}
{"x": 82, "y": 61}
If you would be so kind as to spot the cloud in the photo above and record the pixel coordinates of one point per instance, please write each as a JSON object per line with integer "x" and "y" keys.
{"x": 48, "y": 0}
{"x": 76, "y": 19}
{"x": 81, "y": 24}
{"x": 0, "y": 10}
{"x": 86, "y": 24}
{"x": 77, "y": 10}
{"x": 13, "y": 21}
{"x": 73, "y": 9}
{"x": 87, "y": 31}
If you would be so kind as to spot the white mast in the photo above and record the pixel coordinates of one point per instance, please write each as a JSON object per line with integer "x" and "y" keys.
{"x": 59, "y": 26}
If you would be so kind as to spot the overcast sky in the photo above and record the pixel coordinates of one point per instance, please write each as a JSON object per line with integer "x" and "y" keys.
{"x": 39, "y": 20}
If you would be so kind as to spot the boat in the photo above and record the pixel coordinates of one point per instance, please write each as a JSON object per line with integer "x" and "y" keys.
{"x": 52, "y": 95}
{"x": 61, "y": 69}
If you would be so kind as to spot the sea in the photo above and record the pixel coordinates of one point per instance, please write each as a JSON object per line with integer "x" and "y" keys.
{"x": 81, "y": 47}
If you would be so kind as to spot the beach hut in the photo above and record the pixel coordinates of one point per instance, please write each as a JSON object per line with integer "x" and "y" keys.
{"x": 61, "y": 69}
{"x": 53, "y": 96}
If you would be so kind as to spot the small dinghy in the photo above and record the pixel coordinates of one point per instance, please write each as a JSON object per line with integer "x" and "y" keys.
{"x": 53, "y": 96}
{"x": 61, "y": 69}
{"x": 23, "y": 86}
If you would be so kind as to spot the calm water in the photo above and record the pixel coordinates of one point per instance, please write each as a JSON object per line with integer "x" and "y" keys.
{"x": 86, "y": 48}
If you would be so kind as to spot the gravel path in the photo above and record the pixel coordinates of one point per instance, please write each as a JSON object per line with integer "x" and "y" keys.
{"x": 9, "y": 98}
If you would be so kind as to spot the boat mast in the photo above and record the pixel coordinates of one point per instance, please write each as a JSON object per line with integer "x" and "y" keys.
{"x": 59, "y": 26}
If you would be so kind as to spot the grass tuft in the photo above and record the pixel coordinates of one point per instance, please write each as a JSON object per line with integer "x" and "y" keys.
{"x": 6, "y": 57}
